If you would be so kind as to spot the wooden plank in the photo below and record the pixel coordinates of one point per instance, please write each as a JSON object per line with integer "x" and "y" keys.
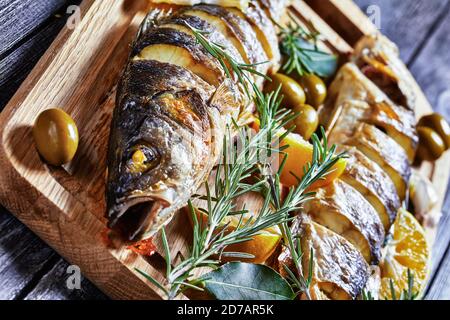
{"x": 17, "y": 65}
{"x": 432, "y": 69}
{"x": 53, "y": 286}
{"x": 407, "y": 23}
{"x": 22, "y": 256}
{"x": 98, "y": 35}
{"x": 440, "y": 287}
{"x": 331, "y": 39}
{"x": 344, "y": 17}
{"x": 20, "y": 18}
{"x": 65, "y": 207}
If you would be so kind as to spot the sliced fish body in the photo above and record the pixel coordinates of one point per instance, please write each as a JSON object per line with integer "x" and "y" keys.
{"x": 345, "y": 211}
{"x": 385, "y": 152}
{"x": 162, "y": 145}
{"x": 373, "y": 183}
{"x": 238, "y": 30}
{"x": 379, "y": 60}
{"x": 339, "y": 270}
{"x": 175, "y": 47}
{"x": 399, "y": 123}
{"x": 275, "y": 8}
{"x": 374, "y": 143}
{"x": 265, "y": 31}
{"x": 373, "y": 284}
{"x": 182, "y": 22}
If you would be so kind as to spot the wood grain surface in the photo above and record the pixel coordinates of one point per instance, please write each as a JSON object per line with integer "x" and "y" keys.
{"x": 31, "y": 270}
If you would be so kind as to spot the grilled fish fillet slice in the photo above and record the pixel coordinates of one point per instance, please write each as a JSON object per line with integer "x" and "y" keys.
{"x": 398, "y": 122}
{"x": 379, "y": 59}
{"x": 237, "y": 30}
{"x": 339, "y": 270}
{"x": 374, "y": 143}
{"x": 178, "y": 48}
{"x": 373, "y": 183}
{"x": 342, "y": 209}
{"x": 275, "y": 8}
{"x": 162, "y": 144}
{"x": 386, "y": 153}
{"x": 180, "y": 22}
{"x": 265, "y": 31}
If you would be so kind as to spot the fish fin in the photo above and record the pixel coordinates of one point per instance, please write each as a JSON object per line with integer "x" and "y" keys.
{"x": 151, "y": 20}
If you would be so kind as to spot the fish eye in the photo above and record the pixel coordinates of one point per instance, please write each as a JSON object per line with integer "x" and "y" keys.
{"x": 142, "y": 158}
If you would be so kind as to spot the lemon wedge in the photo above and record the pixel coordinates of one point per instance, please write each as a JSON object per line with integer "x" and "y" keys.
{"x": 407, "y": 250}
{"x": 261, "y": 247}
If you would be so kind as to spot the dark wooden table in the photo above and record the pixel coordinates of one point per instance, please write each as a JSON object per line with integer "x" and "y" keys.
{"x": 29, "y": 269}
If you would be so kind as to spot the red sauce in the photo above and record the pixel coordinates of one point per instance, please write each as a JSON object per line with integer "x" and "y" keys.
{"x": 144, "y": 247}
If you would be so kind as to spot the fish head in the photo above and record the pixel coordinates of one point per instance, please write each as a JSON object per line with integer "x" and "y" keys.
{"x": 152, "y": 169}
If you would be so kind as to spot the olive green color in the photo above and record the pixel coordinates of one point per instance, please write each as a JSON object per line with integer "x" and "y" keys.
{"x": 56, "y": 136}
{"x": 292, "y": 92}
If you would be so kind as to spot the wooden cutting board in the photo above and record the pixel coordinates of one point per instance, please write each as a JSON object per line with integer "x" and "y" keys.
{"x": 78, "y": 73}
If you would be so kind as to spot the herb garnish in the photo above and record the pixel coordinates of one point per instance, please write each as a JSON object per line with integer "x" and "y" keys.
{"x": 303, "y": 55}
{"x": 211, "y": 240}
{"x": 407, "y": 294}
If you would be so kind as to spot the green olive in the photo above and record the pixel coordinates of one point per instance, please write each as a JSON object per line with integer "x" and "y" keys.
{"x": 315, "y": 89}
{"x": 292, "y": 92}
{"x": 56, "y": 136}
{"x": 307, "y": 121}
{"x": 438, "y": 123}
{"x": 431, "y": 145}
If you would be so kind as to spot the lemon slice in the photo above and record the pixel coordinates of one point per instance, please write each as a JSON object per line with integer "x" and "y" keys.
{"x": 240, "y": 4}
{"x": 407, "y": 250}
{"x": 261, "y": 247}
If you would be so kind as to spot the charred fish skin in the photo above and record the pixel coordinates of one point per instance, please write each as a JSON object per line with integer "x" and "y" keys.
{"x": 275, "y": 8}
{"x": 386, "y": 152}
{"x": 246, "y": 40}
{"x": 349, "y": 130}
{"x": 379, "y": 60}
{"x": 373, "y": 183}
{"x": 340, "y": 208}
{"x": 265, "y": 30}
{"x": 152, "y": 158}
{"x": 170, "y": 118}
{"x": 171, "y": 37}
{"x": 399, "y": 123}
{"x": 339, "y": 271}
{"x": 187, "y": 21}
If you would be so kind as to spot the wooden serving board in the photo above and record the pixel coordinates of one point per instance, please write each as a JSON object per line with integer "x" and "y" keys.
{"x": 65, "y": 206}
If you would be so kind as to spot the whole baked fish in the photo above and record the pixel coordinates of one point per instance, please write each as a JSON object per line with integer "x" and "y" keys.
{"x": 173, "y": 104}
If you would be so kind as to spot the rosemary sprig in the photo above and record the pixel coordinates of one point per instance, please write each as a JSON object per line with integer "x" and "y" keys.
{"x": 324, "y": 159}
{"x": 303, "y": 55}
{"x": 210, "y": 241}
{"x": 242, "y": 71}
{"x": 367, "y": 296}
{"x": 406, "y": 294}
